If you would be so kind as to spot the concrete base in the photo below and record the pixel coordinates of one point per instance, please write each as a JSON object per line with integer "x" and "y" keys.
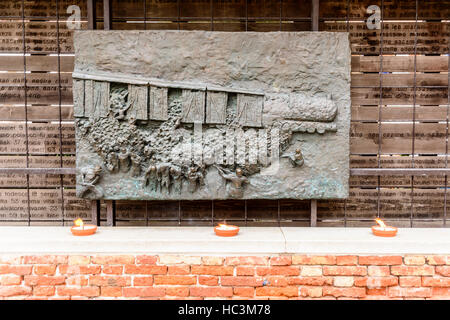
{"x": 202, "y": 240}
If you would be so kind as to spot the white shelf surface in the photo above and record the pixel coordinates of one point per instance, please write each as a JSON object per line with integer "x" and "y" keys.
{"x": 202, "y": 240}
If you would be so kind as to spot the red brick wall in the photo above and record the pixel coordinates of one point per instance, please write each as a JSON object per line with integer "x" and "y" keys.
{"x": 245, "y": 277}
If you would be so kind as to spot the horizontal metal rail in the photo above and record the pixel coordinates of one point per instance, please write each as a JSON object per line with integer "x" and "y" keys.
{"x": 38, "y": 170}
{"x": 353, "y": 171}
{"x": 400, "y": 171}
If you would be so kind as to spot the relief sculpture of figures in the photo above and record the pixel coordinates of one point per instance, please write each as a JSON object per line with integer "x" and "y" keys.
{"x": 195, "y": 178}
{"x": 164, "y": 173}
{"x": 124, "y": 159}
{"x": 89, "y": 178}
{"x": 118, "y": 103}
{"x": 177, "y": 175}
{"x": 234, "y": 119}
{"x": 151, "y": 178}
{"x": 295, "y": 158}
{"x": 135, "y": 165}
{"x": 237, "y": 181}
{"x": 112, "y": 162}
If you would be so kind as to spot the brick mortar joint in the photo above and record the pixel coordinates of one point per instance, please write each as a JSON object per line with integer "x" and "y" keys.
{"x": 409, "y": 271}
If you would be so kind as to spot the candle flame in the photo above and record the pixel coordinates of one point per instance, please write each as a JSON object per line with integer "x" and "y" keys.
{"x": 380, "y": 222}
{"x": 79, "y": 223}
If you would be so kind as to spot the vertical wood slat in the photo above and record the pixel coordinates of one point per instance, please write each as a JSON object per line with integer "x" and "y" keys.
{"x": 313, "y": 213}
{"x": 315, "y": 15}
{"x": 95, "y": 212}
{"x": 380, "y": 103}
{"x": 61, "y": 178}
{"x": 91, "y": 14}
{"x": 447, "y": 142}
{"x": 107, "y": 15}
{"x": 413, "y": 141}
{"x": 26, "y": 110}
{"x": 111, "y": 213}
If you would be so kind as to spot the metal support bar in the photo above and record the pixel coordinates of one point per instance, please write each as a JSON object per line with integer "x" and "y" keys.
{"x": 38, "y": 170}
{"x": 107, "y": 15}
{"x": 313, "y": 213}
{"x": 95, "y": 212}
{"x": 315, "y": 15}
{"x": 353, "y": 171}
{"x": 91, "y": 15}
{"x": 110, "y": 213}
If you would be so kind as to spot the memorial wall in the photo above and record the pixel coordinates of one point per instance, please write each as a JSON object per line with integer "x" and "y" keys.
{"x": 396, "y": 114}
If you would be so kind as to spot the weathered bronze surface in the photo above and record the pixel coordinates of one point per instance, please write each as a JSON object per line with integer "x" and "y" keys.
{"x": 212, "y": 115}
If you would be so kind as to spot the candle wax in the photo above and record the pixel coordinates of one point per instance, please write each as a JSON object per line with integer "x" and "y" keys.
{"x": 225, "y": 227}
{"x": 385, "y": 229}
{"x": 86, "y": 227}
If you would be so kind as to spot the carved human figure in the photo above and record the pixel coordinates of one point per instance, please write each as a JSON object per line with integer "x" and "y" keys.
{"x": 176, "y": 174}
{"x": 112, "y": 162}
{"x": 295, "y": 158}
{"x": 118, "y": 105}
{"x": 89, "y": 179}
{"x": 124, "y": 159}
{"x": 177, "y": 123}
{"x": 164, "y": 175}
{"x": 237, "y": 179}
{"x": 151, "y": 178}
{"x": 135, "y": 165}
{"x": 148, "y": 151}
{"x": 83, "y": 127}
{"x": 132, "y": 120}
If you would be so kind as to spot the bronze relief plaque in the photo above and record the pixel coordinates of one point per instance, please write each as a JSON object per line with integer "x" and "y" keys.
{"x": 190, "y": 115}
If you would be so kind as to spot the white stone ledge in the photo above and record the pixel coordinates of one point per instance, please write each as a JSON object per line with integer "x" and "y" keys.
{"x": 202, "y": 240}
